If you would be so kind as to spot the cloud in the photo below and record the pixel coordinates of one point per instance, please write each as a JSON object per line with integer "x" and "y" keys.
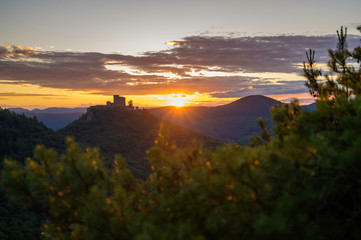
{"x": 264, "y": 88}
{"x": 14, "y": 94}
{"x": 59, "y": 98}
{"x": 221, "y": 66}
{"x": 17, "y": 51}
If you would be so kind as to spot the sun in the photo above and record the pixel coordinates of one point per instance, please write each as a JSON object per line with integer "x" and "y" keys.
{"x": 178, "y": 100}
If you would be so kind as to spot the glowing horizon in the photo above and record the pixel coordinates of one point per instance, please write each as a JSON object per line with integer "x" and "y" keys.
{"x": 42, "y": 98}
{"x": 198, "y": 70}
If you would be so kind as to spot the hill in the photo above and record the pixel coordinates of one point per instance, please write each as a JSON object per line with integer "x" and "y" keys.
{"x": 127, "y": 132}
{"x": 20, "y": 134}
{"x": 236, "y": 121}
{"x": 18, "y": 137}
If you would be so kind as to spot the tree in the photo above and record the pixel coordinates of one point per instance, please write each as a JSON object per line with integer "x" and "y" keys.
{"x": 265, "y": 135}
{"x": 348, "y": 78}
{"x": 130, "y": 103}
{"x": 311, "y": 74}
{"x": 78, "y": 195}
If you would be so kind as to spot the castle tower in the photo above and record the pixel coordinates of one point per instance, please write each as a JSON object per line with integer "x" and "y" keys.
{"x": 119, "y": 101}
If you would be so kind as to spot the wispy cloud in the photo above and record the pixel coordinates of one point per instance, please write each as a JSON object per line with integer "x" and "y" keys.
{"x": 221, "y": 66}
{"x": 14, "y": 94}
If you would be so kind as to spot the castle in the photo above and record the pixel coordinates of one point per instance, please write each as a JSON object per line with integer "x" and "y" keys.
{"x": 118, "y": 101}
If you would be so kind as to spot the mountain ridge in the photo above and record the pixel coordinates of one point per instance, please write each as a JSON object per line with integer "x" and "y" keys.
{"x": 58, "y": 117}
{"x": 235, "y": 121}
{"x": 54, "y": 117}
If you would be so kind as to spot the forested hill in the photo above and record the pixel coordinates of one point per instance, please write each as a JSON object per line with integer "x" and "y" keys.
{"x": 236, "y": 121}
{"x": 113, "y": 130}
{"x": 127, "y": 132}
{"x": 19, "y": 135}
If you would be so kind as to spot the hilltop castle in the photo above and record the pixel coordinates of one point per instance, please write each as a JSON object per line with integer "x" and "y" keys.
{"x": 118, "y": 104}
{"x": 118, "y": 101}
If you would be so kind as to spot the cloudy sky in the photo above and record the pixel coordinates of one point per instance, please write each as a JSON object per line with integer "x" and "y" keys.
{"x": 80, "y": 53}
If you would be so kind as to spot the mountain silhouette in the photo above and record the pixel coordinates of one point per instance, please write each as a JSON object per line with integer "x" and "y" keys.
{"x": 236, "y": 121}
{"x": 54, "y": 117}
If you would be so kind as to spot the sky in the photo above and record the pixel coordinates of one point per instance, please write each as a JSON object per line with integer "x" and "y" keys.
{"x": 200, "y": 52}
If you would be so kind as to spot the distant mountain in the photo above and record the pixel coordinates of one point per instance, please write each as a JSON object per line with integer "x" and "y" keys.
{"x": 127, "y": 132}
{"x": 56, "y": 110}
{"x": 236, "y": 121}
{"x": 252, "y": 105}
{"x": 19, "y": 110}
{"x": 310, "y": 107}
{"x": 54, "y": 118}
{"x": 55, "y": 121}
{"x": 52, "y": 110}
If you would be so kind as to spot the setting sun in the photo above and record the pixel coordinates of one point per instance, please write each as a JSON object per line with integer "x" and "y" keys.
{"x": 178, "y": 100}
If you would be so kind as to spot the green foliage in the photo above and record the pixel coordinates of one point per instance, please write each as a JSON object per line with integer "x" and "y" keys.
{"x": 82, "y": 199}
{"x": 265, "y": 135}
{"x": 75, "y": 191}
{"x": 201, "y": 194}
{"x": 304, "y": 183}
{"x": 311, "y": 73}
{"x": 18, "y": 137}
{"x": 17, "y": 223}
{"x": 347, "y": 80}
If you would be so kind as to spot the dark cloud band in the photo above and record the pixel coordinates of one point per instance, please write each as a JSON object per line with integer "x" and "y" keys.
{"x": 171, "y": 70}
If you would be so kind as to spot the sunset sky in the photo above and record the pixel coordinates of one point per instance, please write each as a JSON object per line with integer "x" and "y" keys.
{"x": 200, "y": 52}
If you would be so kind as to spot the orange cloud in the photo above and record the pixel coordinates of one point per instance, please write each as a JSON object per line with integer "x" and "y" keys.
{"x": 172, "y": 43}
